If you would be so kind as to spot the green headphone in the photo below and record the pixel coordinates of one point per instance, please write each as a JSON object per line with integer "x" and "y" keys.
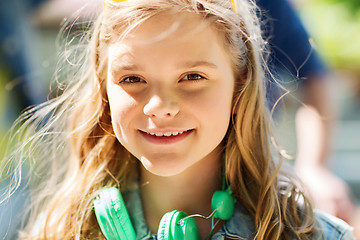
{"x": 114, "y": 220}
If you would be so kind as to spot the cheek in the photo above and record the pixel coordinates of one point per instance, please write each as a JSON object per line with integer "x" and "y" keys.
{"x": 122, "y": 108}
{"x": 214, "y": 104}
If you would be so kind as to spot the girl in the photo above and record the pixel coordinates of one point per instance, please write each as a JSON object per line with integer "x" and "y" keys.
{"x": 169, "y": 108}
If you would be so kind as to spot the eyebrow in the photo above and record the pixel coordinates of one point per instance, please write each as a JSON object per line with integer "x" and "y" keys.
{"x": 193, "y": 64}
{"x": 116, "y": 65}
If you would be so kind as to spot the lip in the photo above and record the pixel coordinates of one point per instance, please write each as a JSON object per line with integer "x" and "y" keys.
{"x": 163, "y": 136}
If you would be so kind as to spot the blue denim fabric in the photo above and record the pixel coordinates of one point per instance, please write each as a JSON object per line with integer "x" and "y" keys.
{"x": 332, "y": 227}
{"x": 240, "y": 226}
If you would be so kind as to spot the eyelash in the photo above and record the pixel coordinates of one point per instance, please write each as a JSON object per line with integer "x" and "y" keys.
{"x": 131, "y": 80}
{"x": 198, "y": 77}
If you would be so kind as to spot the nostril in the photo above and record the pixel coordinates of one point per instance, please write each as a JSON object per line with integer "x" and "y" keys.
{"x": 160, "y": 108}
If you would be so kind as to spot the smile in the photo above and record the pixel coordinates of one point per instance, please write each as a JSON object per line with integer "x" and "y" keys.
{"x": 165, "y": 134}
{"x": 166, "y": 137}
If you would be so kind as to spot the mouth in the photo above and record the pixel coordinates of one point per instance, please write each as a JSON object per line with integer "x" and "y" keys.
{"x": 166, "y": 134}
{"x": 165, "y": 137}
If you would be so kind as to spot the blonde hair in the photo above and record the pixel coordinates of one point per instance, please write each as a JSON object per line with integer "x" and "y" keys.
{"x": 76, "y": 142}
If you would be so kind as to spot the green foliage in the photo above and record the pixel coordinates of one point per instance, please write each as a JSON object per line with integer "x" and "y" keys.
{"x": 353, "y": 6}
{"x": 335, "y": 29}
{"x": 3, "y": 125}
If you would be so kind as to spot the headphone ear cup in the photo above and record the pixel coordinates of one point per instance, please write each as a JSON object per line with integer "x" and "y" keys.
{"x": 104, "y": 219}
{"x": 164, "y": 226}
{"x": 112, "y": 216}
{"x": 173, "y": 226}
{"x": 224, "y": 203}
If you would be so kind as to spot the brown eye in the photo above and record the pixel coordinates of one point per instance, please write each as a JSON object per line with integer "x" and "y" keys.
{"x": 132, "y": 79}
{"x": 192, "y": 77}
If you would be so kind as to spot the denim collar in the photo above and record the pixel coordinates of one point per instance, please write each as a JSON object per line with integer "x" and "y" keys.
{"x": 240, "y": 226}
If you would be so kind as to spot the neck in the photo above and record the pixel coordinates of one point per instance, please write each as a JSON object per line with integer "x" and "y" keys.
{"x": 190, "y": 191}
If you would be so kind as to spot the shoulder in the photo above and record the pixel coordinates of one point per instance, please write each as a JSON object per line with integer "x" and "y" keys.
{"x": 330, "y": 227}
{"x": 241, "y": 226}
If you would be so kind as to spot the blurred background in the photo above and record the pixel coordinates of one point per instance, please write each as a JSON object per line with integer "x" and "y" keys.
{"x": 28, "y": 57}
{"x": 334, "y": 26}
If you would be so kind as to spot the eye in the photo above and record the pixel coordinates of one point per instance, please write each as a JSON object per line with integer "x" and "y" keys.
{"x": 132, "y": 79}
{"x": 192, "y": 77}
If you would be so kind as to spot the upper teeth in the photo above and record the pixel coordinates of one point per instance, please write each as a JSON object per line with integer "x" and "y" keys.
{"x": 167, "y": 134}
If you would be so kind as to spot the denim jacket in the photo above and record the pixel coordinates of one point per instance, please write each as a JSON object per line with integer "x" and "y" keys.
{"x": 240, "y": 226}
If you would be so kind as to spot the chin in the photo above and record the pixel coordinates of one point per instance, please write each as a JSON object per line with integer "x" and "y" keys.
{"x": 162, "y": 169}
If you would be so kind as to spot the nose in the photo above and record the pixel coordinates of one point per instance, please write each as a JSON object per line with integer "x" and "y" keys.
{"x": 161, "y": 107}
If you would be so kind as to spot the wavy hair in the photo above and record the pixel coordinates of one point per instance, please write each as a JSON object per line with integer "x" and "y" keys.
{"x": 74, "y": 151}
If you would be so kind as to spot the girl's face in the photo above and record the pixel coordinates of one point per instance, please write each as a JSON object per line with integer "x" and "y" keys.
{"x": 170, "y": 86}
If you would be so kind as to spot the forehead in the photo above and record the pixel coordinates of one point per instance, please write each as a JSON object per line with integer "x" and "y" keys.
{"x": 166, "y": 35}
{"x": 168, "y": 25}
